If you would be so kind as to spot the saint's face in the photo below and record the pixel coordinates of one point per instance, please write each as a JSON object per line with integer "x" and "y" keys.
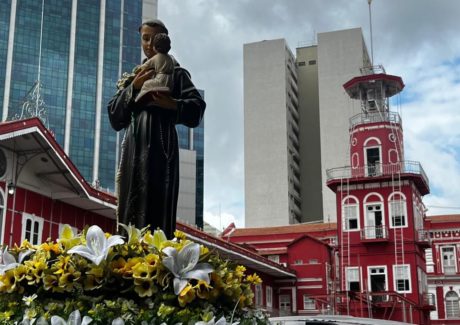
{"x": 147, "y": 35}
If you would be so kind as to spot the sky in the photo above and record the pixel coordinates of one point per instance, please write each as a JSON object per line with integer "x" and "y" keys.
{"x": 418, "y": 40}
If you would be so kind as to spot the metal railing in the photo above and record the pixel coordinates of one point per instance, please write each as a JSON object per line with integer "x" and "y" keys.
{"x": 376, "y": 232}
{"x": 365, "y": 118}
{"x": 423, "y": 236}
{"x": 403, "y": 167}
{"x": 428, "y": 299}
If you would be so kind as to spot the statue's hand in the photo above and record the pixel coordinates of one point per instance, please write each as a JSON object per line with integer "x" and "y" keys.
{"x": 141, "y": 77}
{"x": 164, "y": 100}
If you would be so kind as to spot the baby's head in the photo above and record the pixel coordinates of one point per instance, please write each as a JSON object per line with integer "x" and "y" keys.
{"x": 162, "y": 43}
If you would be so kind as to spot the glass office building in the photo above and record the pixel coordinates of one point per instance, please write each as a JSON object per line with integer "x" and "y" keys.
{"x": 85, "y": 46}
{"x": 193, "y": 139}
{"x": 77, "y": 49}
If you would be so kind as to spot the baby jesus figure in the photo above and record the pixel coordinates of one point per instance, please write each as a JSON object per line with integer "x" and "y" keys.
{"x": 163, "y": 65}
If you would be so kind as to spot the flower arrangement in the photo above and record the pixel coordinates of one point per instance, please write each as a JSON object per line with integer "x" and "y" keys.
{"x": 145, "y": 279}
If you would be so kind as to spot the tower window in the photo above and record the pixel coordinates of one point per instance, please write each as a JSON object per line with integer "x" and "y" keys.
{"x": 402, "y": 278}
{"x": 398, "y": 214}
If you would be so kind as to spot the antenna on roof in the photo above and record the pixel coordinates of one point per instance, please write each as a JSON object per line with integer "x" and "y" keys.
{"x": 370, "y": 24}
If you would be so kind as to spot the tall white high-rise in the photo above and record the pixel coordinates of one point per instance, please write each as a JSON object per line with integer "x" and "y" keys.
{"x": 296, "y": 125}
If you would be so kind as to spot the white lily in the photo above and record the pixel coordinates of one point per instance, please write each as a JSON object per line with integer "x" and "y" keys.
{"x": 8, "y": 262}
{"x": 74, "y": 319}
{"x": 33, "y": 321}
{"x": 118, "y": 321}
{"x": 97, "y": 245}
{"x": 184, "y": 265}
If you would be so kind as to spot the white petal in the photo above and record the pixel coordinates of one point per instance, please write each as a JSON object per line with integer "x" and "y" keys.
{"x": 179, "y": 285}
{"x": 199, "y": 273}
{"x": 170, "y": 264}
{"x": 74, "y": 318}
{"x": 221, "y": 321}
{"x": 56, "y": 320}
{"x": 170, "y": 251}
{"x": 41, "y": 321}
{"x": 24, "y": 254}
{"x": 86, "y": 253}
{"x": 118, "y": 321}
{"x": 188, "y": 257}
{"x": 95, "y": 240}
{"x": 8, "y": 258}
{"x": 115, "y": 240}
{"x": 86, "y": 320}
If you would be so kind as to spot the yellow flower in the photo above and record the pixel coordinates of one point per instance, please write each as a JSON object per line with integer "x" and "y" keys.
{"x": 187, "y": 295}
{"x": 9, "y": 284}
{"x": 36, "y": 269}
{"x": 152, "y": 260}
{"x": 6, "y": 315}
{"x": 203, "y": 250}
{"x": 239, "y": 271}
{"x": 202, "y": 289}
{"x": 144, "y": 287}
{"x": 51, "y": 247}
{"x": 51, "y": 282}
{"x": 62, "y": 264}
{"x": 20, "y": 272}
{"x": 68, "y": 280}
{"x": 130, "y": 264}
{"x": 179, "y": 235}
{"x": 68, "y": 238}
{"x": 142, "y": 271}
{"x": 254, "y": 279}
{"x": 118, "y": 266}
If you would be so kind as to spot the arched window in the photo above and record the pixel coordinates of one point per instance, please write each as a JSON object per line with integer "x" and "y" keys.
{"x": 374, "y": 221}
{"x": 398, "y": 210}
{"x": 452, "y": 305}
{"x": 350, "y": 213}
{"x": 373, "y": 156}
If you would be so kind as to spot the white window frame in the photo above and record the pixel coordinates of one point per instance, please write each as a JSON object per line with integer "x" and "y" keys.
{"x": 308, "y": 303}
{"x": 345, "y": 220}
{"x": 429, "y": 260}
{"x": 347, "y": 277}
{"x": 443, "y": 248}
{"x": 369, "y": 274}
{"x": 258, "y": 295}
{"x": 274, "y": 258}
{"x": 406, "y": 276}
{"x": 269, "y": 296}
{"x": 456, "y": 307}
{"x": 379, "y": 163}
{"x": 403, "y": 202}
{"x": 35, "y": 222}
{"x": 373, "y": 233}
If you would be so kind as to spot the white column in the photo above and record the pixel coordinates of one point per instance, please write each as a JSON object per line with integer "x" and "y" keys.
{"x": 9, "y": 60}
{"x": 294, "y": 299}
{"x": 100, "y": 71}
{"x": 68, "y": 111}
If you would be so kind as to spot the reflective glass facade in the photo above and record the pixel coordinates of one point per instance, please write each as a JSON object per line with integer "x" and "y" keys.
{"x": 185, "y": 142}
{"x": 55, "y": 73}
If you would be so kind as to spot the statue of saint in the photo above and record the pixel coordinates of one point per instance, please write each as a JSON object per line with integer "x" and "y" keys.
{"x": 148, "y": 175}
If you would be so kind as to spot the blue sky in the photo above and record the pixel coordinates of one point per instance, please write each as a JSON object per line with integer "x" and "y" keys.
{"x": 415, "y": 39}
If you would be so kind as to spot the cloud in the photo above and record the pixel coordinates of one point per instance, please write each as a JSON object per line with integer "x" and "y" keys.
{"x": 416, "y": 39}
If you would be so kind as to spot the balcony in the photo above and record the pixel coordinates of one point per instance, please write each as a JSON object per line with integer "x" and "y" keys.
{"x": 428, "y": 301}
{"x": 374, "y": 234}
{"x": 423, "y": 238}
{"x": 363, "y": 118}
{"x": 373, "y": 172}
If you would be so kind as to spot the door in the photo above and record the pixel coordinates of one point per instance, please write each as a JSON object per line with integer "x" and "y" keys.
{"x": 373, "y": 159}
{"x": 378, "y": 282}
{"x": 374, "y": 221}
